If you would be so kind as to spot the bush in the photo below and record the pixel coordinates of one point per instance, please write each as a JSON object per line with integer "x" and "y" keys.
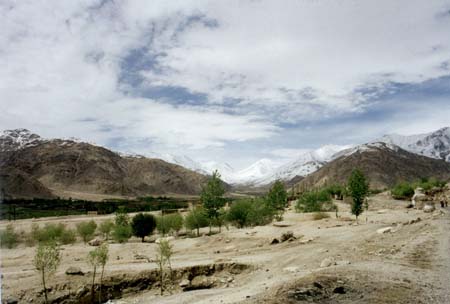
{"x": 121, "y": 233}
{"x": 402, "y": 191}
{"x": 68, "y": 236}
{"x": 8, "y": 237}
{"x": 196, "y": 219}
{"x": 143, "y": 225}
{"x": 314, "y": 201}
{"x": 163, "y": 224}
{"x": 122, "y": 219}
{"x": 429, "y": 183}
{"x": 320, "y": 215}
{"x": 86, "y": 230}
{"x": 251, "y": 212}
{"x": 175, "y": 222}
{"x": 106, "y": 227}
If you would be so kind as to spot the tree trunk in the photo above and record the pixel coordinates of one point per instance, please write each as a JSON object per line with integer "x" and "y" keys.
{"x": 161, "y": 279}
{"x": 45, "y": 288}
{"x": 92, "y": 288}
{"x": 143, "y": 239}
{"x": 101, "y": 282}
{"x": 198, "y": 231}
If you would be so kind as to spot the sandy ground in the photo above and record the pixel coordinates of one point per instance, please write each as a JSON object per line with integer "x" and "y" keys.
{"x": 411, "y": 264}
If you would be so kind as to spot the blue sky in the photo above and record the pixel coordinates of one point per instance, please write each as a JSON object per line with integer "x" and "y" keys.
{"x": 230, "y": 81}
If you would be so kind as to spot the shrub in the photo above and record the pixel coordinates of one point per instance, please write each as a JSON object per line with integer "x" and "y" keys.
{"x": 46, "y": 261}
{"x": 314, "y": 201}
{"x": 196, "y": 219}
{"x": 143, "y": 225}
{"x": 402, "y": 190}
{"x": 163, "y": 224}
{"x": 68, "y": 236}
{"x": 336, "y": 190}
{"x": 251, "y": 212}
{"x": 106, "y": 227}
{"x": 277, "y": 199}
{"x": 8, "y": 237}
{"x": 320, "y": 215}
{"x": 175, "y": 222}
{"x": 121, "y": 233}
{"x": 122, "y": 219}
{"x": 86, "y": 230}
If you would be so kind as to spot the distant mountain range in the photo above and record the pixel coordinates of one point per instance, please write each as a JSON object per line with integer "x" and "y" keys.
{"x": 33, "y": 166}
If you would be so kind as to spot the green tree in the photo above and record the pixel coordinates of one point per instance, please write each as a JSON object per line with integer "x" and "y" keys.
{"x": 212, "y": 197}
{"x": 106, "y": 227}
{"x": 122, "y": 229}
{"x": 175, "y": 222}
{"x": 143, "y": 225}
{"x": 46, "y": 261}
{"x": 8, "y": 237}
{"x": 277, "y": 199}
{"x": 164, "y": 253}
{"x": 196, "y": 219}
{"x": 97, "y": 258}
{"x": 86, "y": 230}
{"x": 163, "y": 224}
{"x": 239, "y": 213}
{"x": 358, "y": 188}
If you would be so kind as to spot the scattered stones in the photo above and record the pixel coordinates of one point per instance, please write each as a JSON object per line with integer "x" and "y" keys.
{"x": 327, "y": 262}
{"x": 95, "y": 242}
{"x": 74, "y": 271}
{"x": 384, "y": 230}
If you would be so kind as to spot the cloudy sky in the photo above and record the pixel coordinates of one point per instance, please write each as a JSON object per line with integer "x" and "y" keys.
{"x": 227, "y": 80}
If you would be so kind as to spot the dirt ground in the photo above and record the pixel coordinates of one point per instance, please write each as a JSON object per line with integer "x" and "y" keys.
{"x": 410, "y": 264}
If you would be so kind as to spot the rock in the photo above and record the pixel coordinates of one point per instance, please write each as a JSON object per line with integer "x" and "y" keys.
{"x": 339, "y": 290}
{"x": 291, "y": 269}
{"x": 227, "y": 240}
{"x": 317, "y": 285}
{"x": 74, "y": 271}
{"x": 184, "y": 283}
{"x": 201, "y": 282}
{"x": 384, "y": 230}
{"x": 11, "y": 300}
{"x": 306, "y": 241}
{"x": 303, "y": 294}
{"x": 327, "y": 262}
{"x": 344, "y": 262}
{"x": 383, "y": 211}
{"x": 95, "y": 242}
{"x": 142, "y": 257}
{"x": 81, "y": 291}
{"x": 286, "y": 236}
{"x": 274, "y": 241}
{"x": 428, "y": 208}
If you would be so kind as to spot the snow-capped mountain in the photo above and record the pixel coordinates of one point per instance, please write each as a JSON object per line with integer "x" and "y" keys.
{"x": 434, "y": 144}
{"x": 258, "y": 170}
{"x": 306, "y": 163}
{"x": 12, "y": 140}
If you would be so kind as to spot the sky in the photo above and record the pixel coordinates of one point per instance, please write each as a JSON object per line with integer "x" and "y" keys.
{"x": 229, "y": 81}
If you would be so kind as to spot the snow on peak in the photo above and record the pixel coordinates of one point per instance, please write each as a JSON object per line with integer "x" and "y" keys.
{"x": 12, "y": 140}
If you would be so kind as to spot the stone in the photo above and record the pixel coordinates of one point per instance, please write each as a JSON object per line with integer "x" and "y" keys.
{"x": 428, "y": 208}
{"x": 74, "y": 271}
{"x": 327, "y": 262}
{"x": 11, "y": 300}
{"x": 184, "y": 283}
{"x": 95, "y": 242}
{"x": 142, "y": 257}
{"x": 344, "y": 262}
{"x": 282, "y": 224}
{"x": 384, "y": 230}
{"x": 274, "y": 241}
{"x": 339, "y": 290}
{"x": 202, "y": 282}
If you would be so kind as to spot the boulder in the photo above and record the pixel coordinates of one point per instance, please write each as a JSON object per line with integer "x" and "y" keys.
{"x": 201, "y": 282}
{"x": 95, "y": 242}
{"x": 327, "y": 262}
{"x": 428, "y": 208}
{"x": 384, "y": 230}
{"x": 184, "y": 283}
{"x": 11, "y": 300}
{"x": 274, "y": 241}
{"x": 74, "y": 271}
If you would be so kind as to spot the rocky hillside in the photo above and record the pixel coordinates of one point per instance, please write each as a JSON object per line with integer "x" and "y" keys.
{"x": 34, "y": 167}
{"x": 384, "y": 164}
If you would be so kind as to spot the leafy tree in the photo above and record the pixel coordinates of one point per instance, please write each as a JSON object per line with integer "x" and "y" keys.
{"x": 277, "y": 198}
{"x": 97, "y": 258}
{"x": 402, "y": 190}
{"x": 8, "y": 237}
{"x": 46, "y": 261}
{"x": 314, "y": 201}
{"x": 68, "y": 236}
{"x": 86, "y": 230}
{"x": 106, "y": 227}
{"x": 250, "y": 212}
{"x": 212, "y": 197}
{"x": 175, "y": 222}
{"x": 143, "y": 225}
{"x": 163, "y": 224}
{"x": 163, "y": 256}
{"x": 122, "y": 218}
{"x": 358, "y": 188}
{"x": 221, "y": 219}
{"x": 239, "y": 212}
{"x": 196, "y": 219}
{"x": 121, "y": 233}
